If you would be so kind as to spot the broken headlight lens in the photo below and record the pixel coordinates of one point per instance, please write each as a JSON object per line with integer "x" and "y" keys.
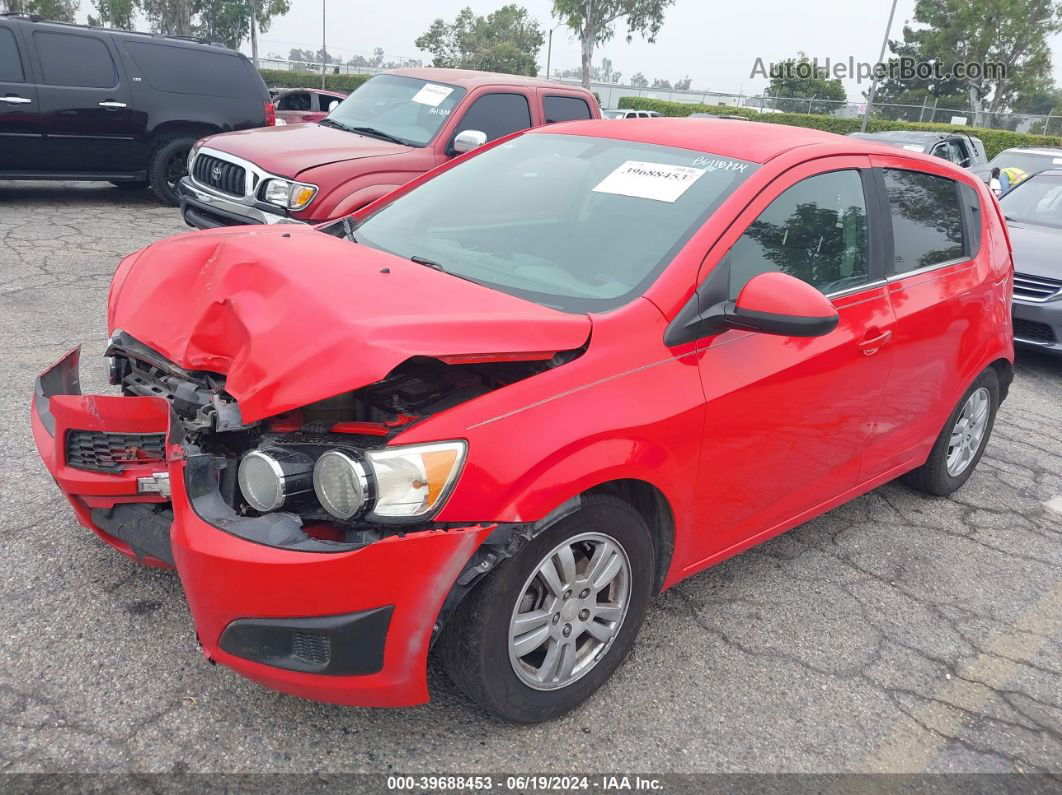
{"x": 341, "y": 483}
{"x": 287, "y": 194}
{"x": 411, "y": 482}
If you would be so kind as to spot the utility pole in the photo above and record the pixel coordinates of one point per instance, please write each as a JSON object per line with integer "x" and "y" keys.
{"x": 549, "y": 48}
{"x": 254, "y": 35}
{"x": 324, "y": 47}
{"x": 881, "y": 59}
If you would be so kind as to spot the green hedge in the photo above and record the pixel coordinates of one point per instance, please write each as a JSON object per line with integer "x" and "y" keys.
{"x": 280, "y": 78}
{"x": 995, "y": 141}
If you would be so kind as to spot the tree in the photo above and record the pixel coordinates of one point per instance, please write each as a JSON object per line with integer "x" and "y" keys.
{"x": 593, "y": 21}
{"x": 802, "y": 78}
{"x": 659, "y": 82}
{"x": 55, "y": 10}
{"x": 261, "y": 16}
{"x": 1012, "y": 33}
{"x": 118, "y": 14}
{"x": 507, "y": 40}
{"x": 684, "y": 84}
{"x": 639, "y": 81}
{"x": 169, "y": 17}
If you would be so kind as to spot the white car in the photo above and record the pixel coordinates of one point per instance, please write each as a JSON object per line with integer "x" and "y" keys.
{"x": 627, "y": 113}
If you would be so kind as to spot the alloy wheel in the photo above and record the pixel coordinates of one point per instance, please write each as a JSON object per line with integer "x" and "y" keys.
{"x": 569, "y": 611}
{"x": 968, "y": 431}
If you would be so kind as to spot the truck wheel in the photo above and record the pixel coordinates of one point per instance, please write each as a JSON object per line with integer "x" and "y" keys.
{"x": 547, "y": 628}
{"x": 168, "y": 165}
{"x": 962, "y": 442}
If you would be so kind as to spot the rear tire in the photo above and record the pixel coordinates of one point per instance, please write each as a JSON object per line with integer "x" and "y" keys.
{"x": 962, "y": 442}
{"x": 491, "y": 657}
{"x": 168, "y": 165}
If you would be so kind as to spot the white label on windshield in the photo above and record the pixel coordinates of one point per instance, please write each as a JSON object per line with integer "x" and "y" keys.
{"x": 1058, "y": 161}
{"x": 912, "y": 147}
{"x": 657, "y": 181}
{"x": 432, "y": 94}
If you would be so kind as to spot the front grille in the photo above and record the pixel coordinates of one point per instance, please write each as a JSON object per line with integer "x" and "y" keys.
{"x": 219, "y": 174}
{"x": 1033, "y": 331}
{"x": 311, "y": 647}
{"x": 1035, "y": 288}
{"x": 112, "y": 452}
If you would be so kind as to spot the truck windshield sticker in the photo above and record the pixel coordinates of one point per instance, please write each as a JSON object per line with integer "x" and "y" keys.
{"x": 432, "y": 94}
{"x": 658, "y": 181}
{"x": 912, "y": 147}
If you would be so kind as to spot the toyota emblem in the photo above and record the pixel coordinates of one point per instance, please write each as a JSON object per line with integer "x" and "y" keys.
{"x": 215, "y": 172}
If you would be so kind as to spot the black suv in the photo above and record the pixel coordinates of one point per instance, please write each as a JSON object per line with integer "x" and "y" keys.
{"x": 81, "y": 103}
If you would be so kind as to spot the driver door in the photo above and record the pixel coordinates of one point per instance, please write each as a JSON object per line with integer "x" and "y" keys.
{"x": 787, "y": 418}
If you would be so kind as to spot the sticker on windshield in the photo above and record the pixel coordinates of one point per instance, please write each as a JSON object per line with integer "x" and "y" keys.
{"x": 912, "y": 147}
{"x": 658, "y": 181}
{"x": 432, "y": 94}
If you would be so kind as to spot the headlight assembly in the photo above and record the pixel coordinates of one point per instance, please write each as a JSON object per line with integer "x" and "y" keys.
{"x": 268, "y": 478}
{"x": 288, "y": 194}
{"x": 413, "y": 481}
{"x": 191, "y": 157}
{"x": 341, "y": 483}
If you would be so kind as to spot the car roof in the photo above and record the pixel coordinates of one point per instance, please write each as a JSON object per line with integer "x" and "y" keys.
{"x": 318, "y": 90}
{"x": 756, "y": 142}
{"x": 1046, "y": 151}
{"x": 468, "y": 78}
{"x": 132, "y": 35}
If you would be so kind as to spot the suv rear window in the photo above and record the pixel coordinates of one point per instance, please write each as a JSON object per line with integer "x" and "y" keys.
{"x": 565, "y": 109}
{"x": 68, "y": 59}
{"x": 188, "y": 70}
{"x": 10, "y": 65}
{"x": 926, "y": 219}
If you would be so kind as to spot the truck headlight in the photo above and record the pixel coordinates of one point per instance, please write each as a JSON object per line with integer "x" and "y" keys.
{"x": 412, "y": 481}
{"x": 288, "y": 194}
{"x": 191, "y": 157}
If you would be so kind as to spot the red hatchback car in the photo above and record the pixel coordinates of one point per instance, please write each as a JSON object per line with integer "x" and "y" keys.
{"x": 497, "y": 410}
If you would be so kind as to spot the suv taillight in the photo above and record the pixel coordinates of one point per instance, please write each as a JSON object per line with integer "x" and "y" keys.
{"x": 270, "y": 114}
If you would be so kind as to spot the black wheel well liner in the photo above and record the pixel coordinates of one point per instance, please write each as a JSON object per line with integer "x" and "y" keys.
{"x": 1005, "y": 372}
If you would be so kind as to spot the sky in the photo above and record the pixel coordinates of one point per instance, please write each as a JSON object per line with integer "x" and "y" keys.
{"x": 715, "y": 43}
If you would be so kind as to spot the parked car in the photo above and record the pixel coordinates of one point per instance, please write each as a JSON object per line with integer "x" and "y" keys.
{"x": 963, "y": 150}
{"x": 392, "y": 129}
{"x": 83, "y": 103}
{"x": 498, "y": 409}
{"x": 626, "y": 113}
{"x": 1034, "y": 217}
{"x": 1021, "y": 162}
{"x": 305, "y": 104}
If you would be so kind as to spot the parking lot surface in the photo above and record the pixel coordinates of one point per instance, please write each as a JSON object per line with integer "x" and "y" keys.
{"x": 896, "y": 633}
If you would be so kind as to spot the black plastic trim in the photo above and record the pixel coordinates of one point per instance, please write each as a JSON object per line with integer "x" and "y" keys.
{"x": 145, "y": 527}
{"x": 355, "y": 641}
{"x": 62, "y": 378}
{"x": 785, "y": 325}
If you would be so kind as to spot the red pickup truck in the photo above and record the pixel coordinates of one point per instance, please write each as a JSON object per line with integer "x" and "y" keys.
{"x": 396, "y": 126}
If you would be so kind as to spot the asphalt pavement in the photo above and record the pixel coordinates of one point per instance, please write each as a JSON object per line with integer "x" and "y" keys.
{"x": 896, "y": 633}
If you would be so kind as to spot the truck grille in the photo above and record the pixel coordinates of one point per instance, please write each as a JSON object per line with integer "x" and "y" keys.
{"x": 1032, "y": 331}
{"x": 219, "y": 174}
{"x": 112, "y": 452}
{"x": 1035, "y": 288}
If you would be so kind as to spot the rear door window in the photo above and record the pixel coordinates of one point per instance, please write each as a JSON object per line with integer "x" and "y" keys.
{"x": 10, "y": 63}
{"x": 816, "y": 231}
{"x": 190, "y": 70}
{"x": 497, "y": 115}
{"x": 565, "y": 109}
{"x": 69, "y": 59}
{"x": 296, "y": 100}
{"x": 927, "y": 227}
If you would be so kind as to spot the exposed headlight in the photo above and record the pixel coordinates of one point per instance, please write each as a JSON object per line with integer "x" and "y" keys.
{"x": 341, "y": 483}
{"x": 268, "y": 478}
{"x": 287, "y": 194}
{"x": 412, "y": 481}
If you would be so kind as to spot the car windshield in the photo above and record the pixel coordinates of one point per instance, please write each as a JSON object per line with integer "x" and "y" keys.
{"x": 1035, "y": 201}
{"x": 1026, "y": 161}
{"x": 573, "y": 222}
{"x": 403, "y": 108}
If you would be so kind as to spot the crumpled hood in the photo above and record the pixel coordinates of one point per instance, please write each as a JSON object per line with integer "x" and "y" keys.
{"x": 292, "y": 148}
{"x": 1036, "y": 249}
{"x": 293, "y": 316}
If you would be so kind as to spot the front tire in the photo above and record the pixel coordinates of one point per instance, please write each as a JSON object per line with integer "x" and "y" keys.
{"x": 962, "y": 442}
{"x": 168, "y": 165}
{"x": 548, "y": 627}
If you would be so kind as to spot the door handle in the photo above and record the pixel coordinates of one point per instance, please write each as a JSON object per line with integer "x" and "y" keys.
{"x": 871, "y": 345}
{"x": 16, "y": 100}
{"x": 110, "y": 104}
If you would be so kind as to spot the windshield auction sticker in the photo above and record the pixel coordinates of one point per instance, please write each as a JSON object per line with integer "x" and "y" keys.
{"x": 432, "y": 94}
{"x": 658, "y": 181}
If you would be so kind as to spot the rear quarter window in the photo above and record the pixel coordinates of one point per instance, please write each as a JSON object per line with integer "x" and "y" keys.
{"x": 68, "y": 59}
{"x": 187, "y": 70}
{"x": 927, "y": 219}
{"x": 10, "y": 64}
{"x": 565, "y": 109}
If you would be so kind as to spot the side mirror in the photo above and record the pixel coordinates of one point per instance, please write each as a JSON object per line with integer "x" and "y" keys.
{"x": 467, "y": 140}
{"x": 770, "y": 303}
{"x": 333, "y": 105}
{"x": 777, "y": 303}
